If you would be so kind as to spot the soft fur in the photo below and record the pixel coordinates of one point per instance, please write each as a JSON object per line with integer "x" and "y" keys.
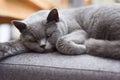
{"x": 93, "y": 30}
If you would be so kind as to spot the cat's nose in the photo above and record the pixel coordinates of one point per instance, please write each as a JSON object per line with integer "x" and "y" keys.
{"x": 42, "y": 46}
{"x": 42, "y": 43}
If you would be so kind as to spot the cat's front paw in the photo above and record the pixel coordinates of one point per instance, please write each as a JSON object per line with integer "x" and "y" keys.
{"x": 70, "y": 47}
{"x": 1, "y": 54}
{"x": 3, "y": 51}
{"x": 64, "y": 46}
{"x": 60, "y": 45}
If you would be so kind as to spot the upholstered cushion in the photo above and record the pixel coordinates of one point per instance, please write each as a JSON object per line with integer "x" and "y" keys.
{"x": 55, "y": 66}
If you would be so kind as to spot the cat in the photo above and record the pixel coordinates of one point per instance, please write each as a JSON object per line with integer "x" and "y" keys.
{"x": 93, "y": 30}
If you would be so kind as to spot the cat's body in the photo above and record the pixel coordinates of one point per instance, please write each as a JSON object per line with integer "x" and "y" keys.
{"x": 93, "y": 30}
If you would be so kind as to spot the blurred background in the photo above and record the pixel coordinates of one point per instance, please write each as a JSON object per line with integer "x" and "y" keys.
{"x": 20, "y": 9}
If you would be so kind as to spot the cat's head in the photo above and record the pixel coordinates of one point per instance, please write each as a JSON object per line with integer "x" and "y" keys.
{"x": 40, "y": 31}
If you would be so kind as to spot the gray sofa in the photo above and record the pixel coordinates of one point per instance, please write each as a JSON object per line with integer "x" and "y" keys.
{"x": 55, "y": 66}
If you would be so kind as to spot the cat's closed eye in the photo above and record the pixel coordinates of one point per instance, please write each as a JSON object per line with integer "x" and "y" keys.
{"x": 31, "y": 39}
{"x": 48, "y": 35}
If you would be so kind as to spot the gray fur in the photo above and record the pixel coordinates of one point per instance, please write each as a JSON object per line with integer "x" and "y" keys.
{"x": 100, "y": 27}
{"x": 93, "y": 30}
{"x": 11, "y": 48}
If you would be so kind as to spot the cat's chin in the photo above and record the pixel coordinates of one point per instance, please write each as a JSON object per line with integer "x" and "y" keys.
{"x": 49, "y": 48}
{"x": 38, "y": 51}
{"x": 45, "y": 50}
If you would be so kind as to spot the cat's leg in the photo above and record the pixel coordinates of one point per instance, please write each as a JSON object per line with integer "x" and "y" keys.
{"x": 11, "y": 48}
{"x": 103, "y": 48}
{"x": 72, "y": 43}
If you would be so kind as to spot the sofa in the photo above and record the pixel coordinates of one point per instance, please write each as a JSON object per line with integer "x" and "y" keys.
{"x": 55, "y": 66}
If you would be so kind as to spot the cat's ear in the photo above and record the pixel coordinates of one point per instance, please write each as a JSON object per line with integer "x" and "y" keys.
{"x": 19, "y": 25}
{"x": 53, "y": 16}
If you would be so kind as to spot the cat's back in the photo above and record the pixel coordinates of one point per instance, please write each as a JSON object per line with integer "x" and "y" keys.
{"x": 93, "y": 15}
{"x": 108, "y": 10}
{"x": 103, "y": 20}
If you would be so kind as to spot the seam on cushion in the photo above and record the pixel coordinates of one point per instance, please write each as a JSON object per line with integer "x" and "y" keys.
{"x": 60, "y": 68}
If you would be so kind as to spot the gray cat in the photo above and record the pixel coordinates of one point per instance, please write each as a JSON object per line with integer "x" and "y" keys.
{"x": 94, "y": 30}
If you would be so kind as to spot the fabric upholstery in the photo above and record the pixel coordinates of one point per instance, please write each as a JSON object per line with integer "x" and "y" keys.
{"x": 55, "y": 66}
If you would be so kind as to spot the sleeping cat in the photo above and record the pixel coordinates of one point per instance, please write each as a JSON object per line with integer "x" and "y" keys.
{"x": 94, "y": 30}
